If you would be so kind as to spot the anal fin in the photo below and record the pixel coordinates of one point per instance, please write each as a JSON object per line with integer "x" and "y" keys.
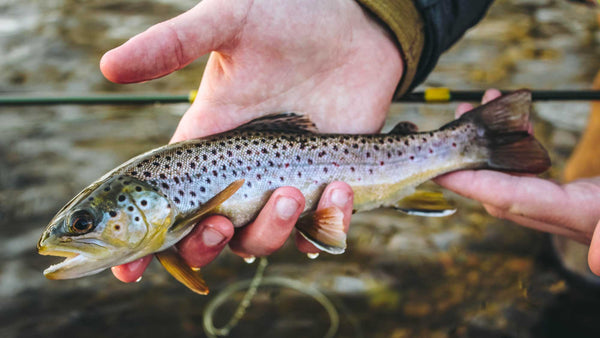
{"x": 178, "y": 268}
{"x": 324, "y": 229}
{"x": 426, "y": 203}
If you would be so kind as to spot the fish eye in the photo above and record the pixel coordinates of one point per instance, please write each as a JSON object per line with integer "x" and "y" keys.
{"x": 81, "y": 222}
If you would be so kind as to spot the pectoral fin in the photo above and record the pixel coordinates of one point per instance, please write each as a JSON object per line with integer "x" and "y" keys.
{"x": 324, "y": 229}
{"x": 178, "y": 268}
{"x": 214, "y": 202}
{"x": 426, "y": 203}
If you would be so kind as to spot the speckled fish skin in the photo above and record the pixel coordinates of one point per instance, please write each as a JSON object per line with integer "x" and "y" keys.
{"x": 155, "y": 194}
{"x": 380, "y": 168}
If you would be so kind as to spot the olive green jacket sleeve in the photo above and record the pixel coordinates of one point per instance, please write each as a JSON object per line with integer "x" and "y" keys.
{"x": 406, "y": 24}
{"x": 424, "y": 29}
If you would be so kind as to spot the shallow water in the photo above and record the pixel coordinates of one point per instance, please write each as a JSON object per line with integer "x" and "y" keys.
{"x": 468, "y": 275}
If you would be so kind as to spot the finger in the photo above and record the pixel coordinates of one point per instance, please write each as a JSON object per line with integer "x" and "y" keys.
{"x": 173, "y": 44}
{"x": 490, "y": 94}
{"x": 537, "y": 225}
{"x": 131, "y": 271}
{"x": 206, "y": 241}
{"x": 273, "y": 225}
{"x": 462, "y": 108}
{"x": 594, "y": 253}
{"x": 337, "y": 194}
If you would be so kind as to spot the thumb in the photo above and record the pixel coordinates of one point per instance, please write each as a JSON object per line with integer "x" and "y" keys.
{"x": 173, "y": 44}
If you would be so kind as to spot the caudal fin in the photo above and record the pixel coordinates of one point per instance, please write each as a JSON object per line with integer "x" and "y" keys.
{"x": 505, "y": 124}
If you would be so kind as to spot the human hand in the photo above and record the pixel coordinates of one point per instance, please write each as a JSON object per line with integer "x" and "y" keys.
{"x": 328, "y": 59}
{"x": 571, "y": 210}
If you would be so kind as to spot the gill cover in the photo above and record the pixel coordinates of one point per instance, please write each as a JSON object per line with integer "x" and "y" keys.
{"x": 112, "y": 222}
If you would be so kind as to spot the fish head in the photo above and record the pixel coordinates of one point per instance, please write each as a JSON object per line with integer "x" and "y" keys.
{"x": 114, "y": 221}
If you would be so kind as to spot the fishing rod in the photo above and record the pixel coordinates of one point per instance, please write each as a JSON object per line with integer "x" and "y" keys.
{"x": 429, "y": 95}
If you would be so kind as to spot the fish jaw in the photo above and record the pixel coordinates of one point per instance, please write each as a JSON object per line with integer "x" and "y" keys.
{"x": 74, "y": 266}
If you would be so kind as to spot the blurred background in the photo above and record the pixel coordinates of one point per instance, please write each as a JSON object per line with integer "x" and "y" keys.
{"x": 468, "y": 275}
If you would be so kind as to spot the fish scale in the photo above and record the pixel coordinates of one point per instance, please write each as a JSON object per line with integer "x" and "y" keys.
{"x": 191, "y": 172}
{"x": 159, "y": 196}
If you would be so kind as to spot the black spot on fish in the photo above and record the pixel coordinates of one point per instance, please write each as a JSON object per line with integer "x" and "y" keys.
{"x": 181, "y": 193}
{"x": 179, "y": 152}
{"x": 234, "y": 172}
{"x": 381, "y": 163}
{"x": 167, "y": 166}
{"x": 202, "y": 189}
{"x": 249, "y": 152}
{"x": 271, "y": 163}
{"x": 162, "y": 176}
{"x": 121, "y": 198}
{"x": 193, "y": 165}
{"x": 176, "y": 179}
{"x": 137, "y": 218}
{"x": 204, "y": 169}
{"x": 430, "y": 151}
{"x": 179, "y": 164}
{"x": 214, "y": 151}
{"x": 299, "y": 174}
{"x": 168, "y": 158}
{"x": 406, "y": 143}
{"x": 204, "y": 157}
{"x": 138, "y": 188}
{"x": 176, "y": 200}
{"x": 193, "y": 193}
{"x": 399, "y": 153}
{"x": 192, "y": 203}
{"x": 215, "y": 174}
{"x": 112, "y": 213}
{"x": 325, "y": 170}
{"x": 147, "y": 174}
{"x": 346, "y": 151}
{"x": 352, "y": 169}
{"x": 134, "y": 173}
{"x": 130, "y": 208}
{"x": 412, "y": 157}
{"x": 126, "y": 182}
{"x": 189, "y": 151}
{"x": 229, "y": 153}
{"x": 376, "y": 147}
{"x": 90, "y": 199}
{"x": 117, "y": 227}
{"x": 371, "y": 171}
{"x": 355, "y": 145}
{"x": 368, "y": 154}
{"x": 144, "y": 203}
{"x": 277, "y": 155}
{"x": 156, "y": 163}
{"x": 249, "y": 184}
{"x": 107, "y": 189}
{"x": 208, "y": 180}
{"x": 281, "y": 178}
{"x": 214, "y": 162}
{"x": 164, "y": 185}
{"x": 453, "y": 144}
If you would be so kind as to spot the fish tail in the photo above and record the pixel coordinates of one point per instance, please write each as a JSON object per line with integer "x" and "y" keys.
{"x": 504, "y": 126}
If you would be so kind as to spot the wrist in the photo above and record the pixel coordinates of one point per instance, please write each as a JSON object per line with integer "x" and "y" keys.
{"x": 403, "y": 20}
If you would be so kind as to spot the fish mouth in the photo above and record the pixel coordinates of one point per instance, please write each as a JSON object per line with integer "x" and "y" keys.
{"x": 73, "y": 266}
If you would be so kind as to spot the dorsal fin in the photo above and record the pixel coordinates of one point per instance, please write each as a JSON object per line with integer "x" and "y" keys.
{"x": 404, "y": 128}
{"x": 287, "y": 122}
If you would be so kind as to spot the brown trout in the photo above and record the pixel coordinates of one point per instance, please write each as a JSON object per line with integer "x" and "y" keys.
{"x": 149, "y": 203}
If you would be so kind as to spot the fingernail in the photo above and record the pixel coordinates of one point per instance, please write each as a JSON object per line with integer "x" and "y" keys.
{"x": 286, "y": 207}
{"x": 138, "y": 280}
{"x": 250, "y": 259}
{"x": 212, "y": 237}
{"x": 339, "y": 197}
